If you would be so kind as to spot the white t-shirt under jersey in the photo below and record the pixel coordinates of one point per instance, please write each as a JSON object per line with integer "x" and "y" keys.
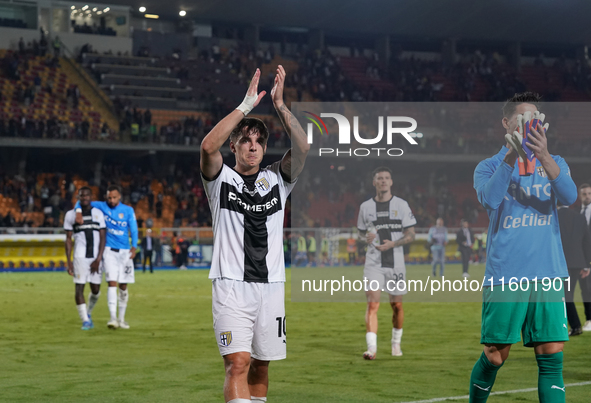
{"x": 86, "y": 236}
{"x": 390, "y": 219}
{"x": 247, "y": 214}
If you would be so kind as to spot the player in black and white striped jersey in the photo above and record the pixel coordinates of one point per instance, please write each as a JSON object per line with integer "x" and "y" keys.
{"x": 387, "y": 223}
{"x": 248, "y": 271}
{"x": 89, "y": 244}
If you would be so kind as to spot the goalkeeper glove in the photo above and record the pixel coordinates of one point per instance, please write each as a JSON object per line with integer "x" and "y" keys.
{"x": 519, "y": 138}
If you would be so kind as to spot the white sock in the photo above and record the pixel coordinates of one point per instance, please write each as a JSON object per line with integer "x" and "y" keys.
{"x": 123, "y": 297}
{"x": 239, "y": 401}
{"x": 396, "y": 335}
{"x": 258, "y": 399}
{"x": 82, "y": 312}
{"x": 372, "y": 341}
{"x": 112, "y": 302}
{"x": 92, "y": 300}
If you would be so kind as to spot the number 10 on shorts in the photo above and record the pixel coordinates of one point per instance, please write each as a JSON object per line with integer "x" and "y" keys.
{"x": 280, "y": 326}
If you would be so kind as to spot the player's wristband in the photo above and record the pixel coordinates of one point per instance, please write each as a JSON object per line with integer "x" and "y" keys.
{"x": 78, "y": 210}
{"x": 248, "y": 104}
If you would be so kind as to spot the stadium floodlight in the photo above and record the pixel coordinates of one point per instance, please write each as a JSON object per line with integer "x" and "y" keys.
{"x": 152, "y": 16}
{"x": 73, "y": 7}
{"x": 85, "y": 7}
{"x": 106, "y": 10}
{"x": 94, "y": 9}
{"x": 142, "y": 9}
{"x": 182, "y": 13}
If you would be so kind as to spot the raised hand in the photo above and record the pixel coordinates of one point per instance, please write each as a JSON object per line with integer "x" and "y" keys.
{"x": 538, "y": 142}
{"x": 277, "y": 91}
{"x": 252, "y": 99}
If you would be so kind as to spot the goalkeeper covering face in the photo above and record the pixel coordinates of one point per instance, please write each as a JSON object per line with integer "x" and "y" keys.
{"x": 523, "y": 295}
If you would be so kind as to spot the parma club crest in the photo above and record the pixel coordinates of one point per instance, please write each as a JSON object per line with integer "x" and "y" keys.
{"x": 541, "y": 172}
{"x": 226, "y": 338}
{"x": 262, "y": 184}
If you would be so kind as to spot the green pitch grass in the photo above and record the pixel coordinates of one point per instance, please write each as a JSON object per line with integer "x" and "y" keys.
{"x": 170, "y": 355}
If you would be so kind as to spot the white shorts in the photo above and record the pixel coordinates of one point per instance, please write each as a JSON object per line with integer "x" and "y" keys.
{"x": 390, "y": 280}
{"x": 249, "y": 317}
{"x": 118, "y": 266}
{"x": 82, "y": 274}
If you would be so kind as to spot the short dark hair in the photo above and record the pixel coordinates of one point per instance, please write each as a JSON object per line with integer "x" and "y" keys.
{"x": 523, "y": 98}
{"x": 84, "y": 188}
{"x": 381, "y": 169}
{"x": 114, "y": 187}
{"x": 246, "y": 125}
{"x": 584, "y": 186}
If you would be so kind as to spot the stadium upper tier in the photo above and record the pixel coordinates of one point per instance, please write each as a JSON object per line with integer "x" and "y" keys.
{"x": 39, "y": 95}
{"x": 191, "y": 95}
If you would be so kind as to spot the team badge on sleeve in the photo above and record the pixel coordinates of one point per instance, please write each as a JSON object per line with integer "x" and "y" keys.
{"x": 121, "y": 215}
{"x": 226, "y": 338}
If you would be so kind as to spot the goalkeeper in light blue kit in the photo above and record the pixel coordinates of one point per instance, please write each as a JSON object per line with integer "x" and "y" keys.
{"x": 523, "y": 243}
{"x": 118, "y": 256}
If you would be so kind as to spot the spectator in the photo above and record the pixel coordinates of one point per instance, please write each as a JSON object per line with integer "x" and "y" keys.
{"x": 159, "y": 206}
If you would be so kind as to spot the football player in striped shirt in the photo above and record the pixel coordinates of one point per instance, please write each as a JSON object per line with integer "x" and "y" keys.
{"x": 89, "y": 244}
{"x": 386, "y": 222}
{"x": 248, "y": 270}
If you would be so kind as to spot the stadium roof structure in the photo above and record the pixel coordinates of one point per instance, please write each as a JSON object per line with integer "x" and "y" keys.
{"x": 532, "y": 21}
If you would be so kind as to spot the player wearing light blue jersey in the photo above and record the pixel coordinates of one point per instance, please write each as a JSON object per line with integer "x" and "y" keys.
{"x": 523, "y": 243}
{"x": 118, "y": 256}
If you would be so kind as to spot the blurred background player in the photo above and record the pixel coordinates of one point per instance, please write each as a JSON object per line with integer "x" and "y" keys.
{"x": 89, "y": 244}
{"x": 182, "y": 253}
{"x": 465, "y": 240}
{"x": 324, "y": 251}
{"x": 525, "y": 242}
{"x": 311, "y": 249}
{"x": 384, "y": 262}
{"x": 576, "y": 243}
{"x": 149, "y": 246}
{"x": 247, "y": 269}
{"x": 118, "y": 257}
{"x": 301, "y": 257}
{"x": 585, "y": 196}
{"x": 352, "y": 249}
{"x": 438, "y": 239}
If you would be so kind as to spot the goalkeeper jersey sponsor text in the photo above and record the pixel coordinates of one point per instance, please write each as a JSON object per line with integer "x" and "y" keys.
{"x": 523, "y": 233}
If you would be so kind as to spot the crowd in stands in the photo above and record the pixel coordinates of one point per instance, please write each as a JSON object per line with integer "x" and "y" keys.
{"x": 34, "y": 48}
{"x": 53, "y": 128}
{"x": 188, "y": 131}
{"x": 22, "y": 121}
{"x": 33, "y": 196}
{"x": 54, "y": 194}
{"x": 476, "y": 76}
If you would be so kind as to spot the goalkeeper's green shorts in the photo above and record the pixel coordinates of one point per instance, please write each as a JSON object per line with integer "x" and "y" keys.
{"x": 539, "y": 315}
